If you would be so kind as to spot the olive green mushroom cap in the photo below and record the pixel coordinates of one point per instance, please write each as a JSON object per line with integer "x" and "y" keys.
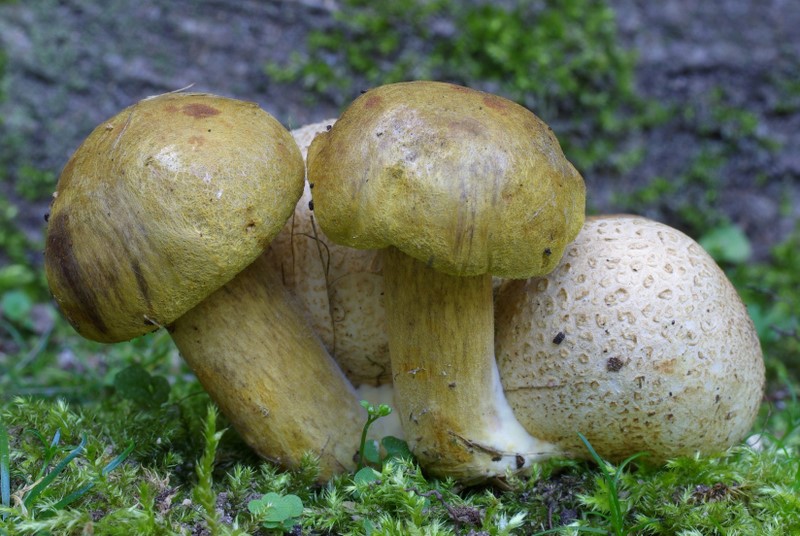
{"x": 468, "y": 182}
{"x": 163, "y": 204}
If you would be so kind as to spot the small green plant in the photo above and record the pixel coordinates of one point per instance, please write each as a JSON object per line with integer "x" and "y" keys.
{"x": 607, "y": 499}
{"x": 203, "y": 492}
{"x": 368, "y": 450}
{"x": 727, "y": 244}
{"x": 277, "y": 512}
{"x": 145, "y": 390}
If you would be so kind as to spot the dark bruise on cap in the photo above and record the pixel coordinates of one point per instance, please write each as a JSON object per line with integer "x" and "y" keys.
{"x": 199, "y": 111}
{"x": 61, "y": 262}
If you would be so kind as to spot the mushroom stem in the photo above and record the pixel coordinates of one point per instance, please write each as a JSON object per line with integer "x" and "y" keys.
{"x": 261, "y": 363}
{"x": 441, "y": 340}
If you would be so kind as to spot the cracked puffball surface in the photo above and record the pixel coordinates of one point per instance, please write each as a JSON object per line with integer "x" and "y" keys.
{"x": 637, "y": 340}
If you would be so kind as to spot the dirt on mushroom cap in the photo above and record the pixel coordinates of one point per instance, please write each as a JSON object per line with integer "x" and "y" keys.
{"x": 161, "y": 205}
{"x": 658, "y": 353}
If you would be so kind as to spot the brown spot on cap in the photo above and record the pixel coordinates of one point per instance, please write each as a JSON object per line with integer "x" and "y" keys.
{"x": 372, "y": 101}
{"x": 199, "y": 111}
{"x": 496, "y": 103}
{"x": 467, "y": 126}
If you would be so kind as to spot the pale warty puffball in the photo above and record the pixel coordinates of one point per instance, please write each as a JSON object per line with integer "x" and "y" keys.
{"x": 637, "y": 340}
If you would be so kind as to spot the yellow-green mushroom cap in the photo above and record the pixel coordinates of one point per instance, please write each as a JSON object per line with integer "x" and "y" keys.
{"x": 163, "y": 204}
{"x": 465, "y": 181}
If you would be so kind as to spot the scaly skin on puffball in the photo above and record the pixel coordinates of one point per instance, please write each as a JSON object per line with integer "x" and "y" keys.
{"x": 637, "y": 340}
{"x": 340, "y": 288}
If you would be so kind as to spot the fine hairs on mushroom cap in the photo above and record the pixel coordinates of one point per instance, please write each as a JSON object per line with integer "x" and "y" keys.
{"x": 161, "y": 218}
{"x": 637, "y": 340}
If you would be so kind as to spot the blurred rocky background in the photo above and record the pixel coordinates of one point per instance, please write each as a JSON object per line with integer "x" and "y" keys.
{"x": 680, "y": 110}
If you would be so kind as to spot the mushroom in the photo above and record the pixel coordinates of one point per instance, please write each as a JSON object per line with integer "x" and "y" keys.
{"x": 637, "y": 340}
{"x": 156, "y": 220}
{"x": 457, "y": 185}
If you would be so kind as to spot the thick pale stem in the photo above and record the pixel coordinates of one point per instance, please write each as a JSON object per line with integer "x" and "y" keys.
{"x": 450, "y": 400}
{"x": 270, "y": 375}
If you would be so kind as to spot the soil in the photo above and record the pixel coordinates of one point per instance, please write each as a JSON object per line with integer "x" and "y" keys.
{"x": 74, "y": 63}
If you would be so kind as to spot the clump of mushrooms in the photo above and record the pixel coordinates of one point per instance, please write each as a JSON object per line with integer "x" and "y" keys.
{"x": 569, "y": 361}
{"x": 160, "y": 218}
{"x": 635, "y": 338}
{"x": 456, "y": 185}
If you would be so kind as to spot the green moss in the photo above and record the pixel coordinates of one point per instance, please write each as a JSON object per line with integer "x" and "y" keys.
{"x": 14, "y": 244}
{"x": 33, "y": 184}
{"x": 186, "y": 473}
{"x": 722, "y": 132}
{"x": 365, "y": 47}
{"x": 770, "y": 291}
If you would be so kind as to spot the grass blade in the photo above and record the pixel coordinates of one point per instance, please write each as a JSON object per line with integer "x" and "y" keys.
{"x": 49, "y": 477}
{"x": 113, "y": 464}
{"x": 5, "y": 480}
{"x": 611, "y": 477}
{"x": 83, "y": 490}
